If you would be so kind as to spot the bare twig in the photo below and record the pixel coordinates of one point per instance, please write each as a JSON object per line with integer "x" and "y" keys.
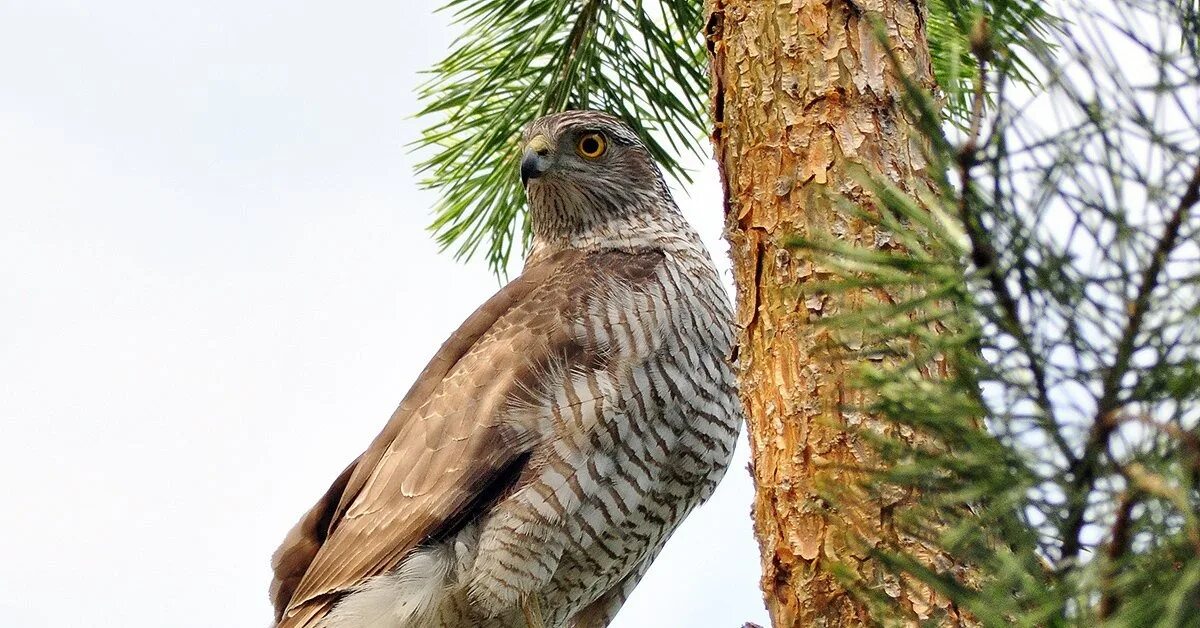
{"x": 1154, "y": 484}
{"x": 1190, "y": 441}
{"x": 1117, "y": 547}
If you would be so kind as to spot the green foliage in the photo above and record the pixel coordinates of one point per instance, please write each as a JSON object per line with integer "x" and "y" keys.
{"x": 1015, "y": 27}
{"x": 521, "y": 59}
{"x": 643, "y": 61}
{"x": 1052, "y": 266}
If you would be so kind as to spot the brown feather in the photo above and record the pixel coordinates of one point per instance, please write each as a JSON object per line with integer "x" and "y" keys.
{"x": 446, "y": 453}
{"x": 300, "y": 546}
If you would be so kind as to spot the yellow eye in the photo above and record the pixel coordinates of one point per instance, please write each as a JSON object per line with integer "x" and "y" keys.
{"x": 591, "y": 145}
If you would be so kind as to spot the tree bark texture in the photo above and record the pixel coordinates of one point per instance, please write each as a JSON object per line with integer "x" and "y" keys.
{"x": 803, "y": 94}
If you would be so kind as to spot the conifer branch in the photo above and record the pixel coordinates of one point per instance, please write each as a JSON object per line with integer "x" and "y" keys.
{"x": 1105, "y": 420}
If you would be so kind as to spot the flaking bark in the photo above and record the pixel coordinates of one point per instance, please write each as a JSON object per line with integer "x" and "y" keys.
{"x": 804, "y": 94}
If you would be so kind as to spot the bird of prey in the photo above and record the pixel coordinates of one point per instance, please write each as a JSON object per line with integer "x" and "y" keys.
{"x": 555, "y": 441}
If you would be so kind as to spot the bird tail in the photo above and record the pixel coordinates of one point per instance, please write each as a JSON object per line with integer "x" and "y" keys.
{"x": 408, "y": 597}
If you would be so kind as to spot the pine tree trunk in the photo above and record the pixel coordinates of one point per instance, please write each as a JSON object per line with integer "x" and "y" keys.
{"x": 803, "y": 91}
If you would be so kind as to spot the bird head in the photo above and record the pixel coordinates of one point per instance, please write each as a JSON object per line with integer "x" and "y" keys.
{"x": 584, "y": 169}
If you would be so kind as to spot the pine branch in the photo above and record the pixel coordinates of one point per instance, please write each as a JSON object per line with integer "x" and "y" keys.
{"x": 983, "y": 253}
{"x": 521, "y": 59}
{"x": 1105, "y": 420}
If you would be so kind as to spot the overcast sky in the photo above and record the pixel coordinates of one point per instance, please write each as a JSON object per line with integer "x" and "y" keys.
{"x": 215, "y": 286}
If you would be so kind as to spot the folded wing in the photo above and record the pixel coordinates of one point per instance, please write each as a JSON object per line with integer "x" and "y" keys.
{"x": 450, "y": 448}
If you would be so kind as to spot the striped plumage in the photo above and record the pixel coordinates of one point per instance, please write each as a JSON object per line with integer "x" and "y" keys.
{"x": 559, "y": 436}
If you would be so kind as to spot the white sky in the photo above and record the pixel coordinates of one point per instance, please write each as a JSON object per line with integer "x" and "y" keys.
{"x": 215, "y": 286}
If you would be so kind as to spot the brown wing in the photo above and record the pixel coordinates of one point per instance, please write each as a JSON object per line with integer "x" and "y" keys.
{"x": 303, "y": 542}
{"x": 445, "y": 448}
{"x": 298, "y": 550}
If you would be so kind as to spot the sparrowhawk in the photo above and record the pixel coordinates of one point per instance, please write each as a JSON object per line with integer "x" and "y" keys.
{"x": 554, "y": 442}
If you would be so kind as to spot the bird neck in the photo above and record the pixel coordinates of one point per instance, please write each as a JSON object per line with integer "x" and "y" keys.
{"x": 661, "y": 226}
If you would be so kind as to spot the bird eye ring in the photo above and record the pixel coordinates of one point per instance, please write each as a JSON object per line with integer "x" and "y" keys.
{"x": 591, "y": 145}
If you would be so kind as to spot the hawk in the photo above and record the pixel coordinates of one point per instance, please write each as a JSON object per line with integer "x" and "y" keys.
{"x": 554, "y": 442}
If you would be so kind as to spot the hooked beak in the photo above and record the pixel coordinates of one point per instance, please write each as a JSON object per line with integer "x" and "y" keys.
{"x": 536, "y": 159}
